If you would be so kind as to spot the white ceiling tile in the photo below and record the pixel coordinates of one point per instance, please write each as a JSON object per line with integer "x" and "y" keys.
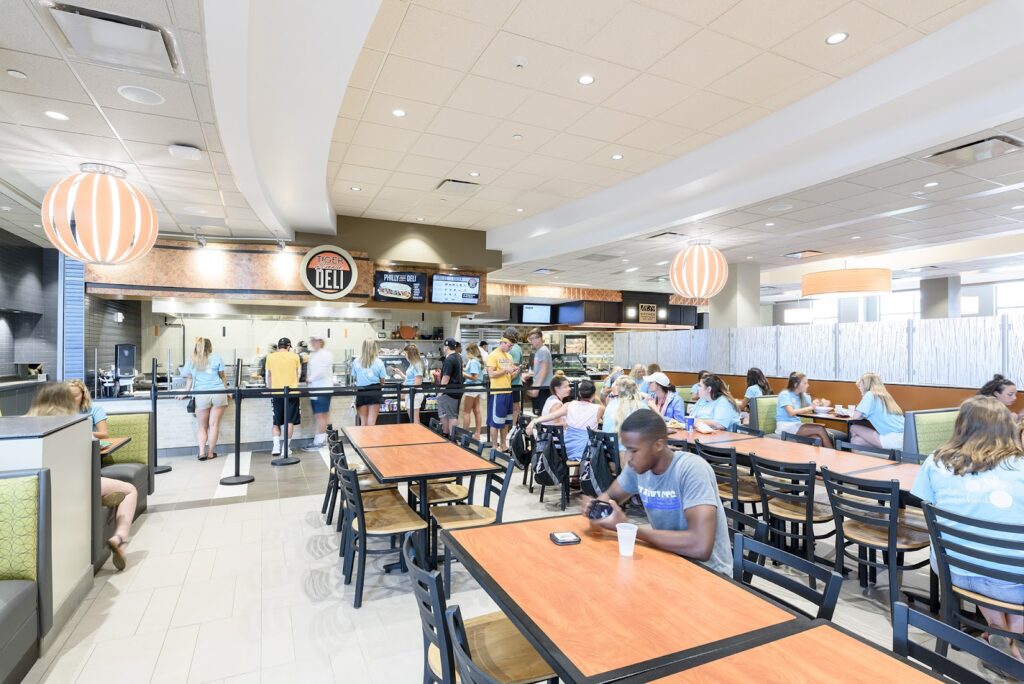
{"x": 416, "y": 80}
{"x": 911, "y": 12}
{"x": 609, "y": 78}
{"x": 233, "y": 199}
{"x": 373, "y": 157}
{"x": 644, "y": 164}
{"x": 704, "y": 58}
{"x": 655, "y": 136}
{"x": 702, "y": 110}
{"x": 858, "y": 61}
{"x": 638, "y": 37}
{"x": 353, "y": 103}
{"x": 86, "y": 148}
{"x": 385, "y": 137}
{"x": 957, "y": 193}
{"x": 830, "y": 192}
{"x": 191, "y": 44}
{"x": 158, "y": 129}
{"x": 798, "y": 91}
{"x": 568, "y": 23}
{"x": 29, "y": 110}
{"x": 427, "y": 166}
{"x": 495, "y": 157}
{"x": 361, "y": 175}
{"x": 393, "y": 193}
{"x": 952, "y": 14}
{"x": 493, "y": 192}
{"x": 550, "y": 111}
{"x": 605, "y": 124}
{"x": 149, "y": 154}
{"x": 103, "y": 83}
{"x": 519, "y": 180}
{"x": 531, "y": 137}
{"x": 337, "y": 152}
{"x": 379, "y": 108}
{"x": 51, "y": 78}
{"x": 571, "y": 147}
{"x": 765, "y": 24}
{"x": 905, "y": 170}
{"x": 543, "y": 166}
{"x": 761, "y": 77}
{"x": 492, "y": 12}
{"x": 344, "y": 129}
{"x": 211, "y": 134}
{"x": 738, "y": 121}
{"x": 519, "y": 60}
{"x": 690, "y": 143}
{"x": 462, "y": 170}
{"x": 482, "y": 205}
{"x": 866, "y": 27}
{"x": 203, "y": 103}
{"x": 486, "y": 96}
{"x": 441, "y": 147}
{"x": 464, "y": 125}
{"x": 187, "y": 14}
{"x": 440, "y": 39}
{"x": 648, "y": 96}
{"x": 700, "y": 12}
{"x": 995, "y": 168}
{"x": 595, "y": 175}
{"x": 365, "y": 71}
{"x": 189, "y": 179}
{"x": 412, "y": 181}
{"x": 945, "y": 181}
{"x": 22, "y": 31}
{"x": 385, "y": 25}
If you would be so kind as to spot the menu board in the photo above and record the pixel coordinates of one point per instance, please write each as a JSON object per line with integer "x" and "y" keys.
{"x": 389, "y": 286}
{"x": 454, "y": 289}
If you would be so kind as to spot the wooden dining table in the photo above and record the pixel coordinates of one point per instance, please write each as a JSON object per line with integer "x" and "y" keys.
{"x": 596, "y": 616}
{"x": 842, "y": 462}
{"x": 112, "y": 444}
{"x": 906, "y": 473}
{"x": 706, "y": 437}
{"x": 368, "y": 436}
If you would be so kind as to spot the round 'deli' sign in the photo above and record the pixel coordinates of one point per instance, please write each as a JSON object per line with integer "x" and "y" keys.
{"x": 329, "y": 272}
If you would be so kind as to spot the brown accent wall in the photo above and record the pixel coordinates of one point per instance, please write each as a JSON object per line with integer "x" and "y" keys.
{"x": 687, "y": 301}
{"x": 553, "y": 292}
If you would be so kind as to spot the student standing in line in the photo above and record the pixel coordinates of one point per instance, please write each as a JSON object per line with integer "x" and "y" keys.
{"x": 283, "y": 367}
{"x": 369, "y": 373}
{"x": 579, "y": 415}
{"x": 979, "y": 473}
{"x": 319, "y": 374}
{"x": 886, "y": 417}
{"x": 542, "y": 370}
{"x": 717, "y": 408}
{"x": 678, "y": 491}
{"x": 473, "y": 373}
{"x": 757, "y": 386}
{"x": 205, "y": 371}
{"x": 451, "y": 374}
{"x": 665, "y": 401}
{"x": 413, "y": 378}
{"x": 516, "y": 352}
{"x": 502, "y": 369}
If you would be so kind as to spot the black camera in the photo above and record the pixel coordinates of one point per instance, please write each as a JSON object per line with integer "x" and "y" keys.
{"x": 600, "y": 510}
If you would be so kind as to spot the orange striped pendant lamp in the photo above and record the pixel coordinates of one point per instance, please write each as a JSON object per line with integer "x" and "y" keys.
{"x": 97, "y": 217}
{"x": 699, "y": 271}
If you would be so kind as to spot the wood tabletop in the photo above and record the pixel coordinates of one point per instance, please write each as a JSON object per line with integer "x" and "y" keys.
{"x": 906, "y": 473}
{"x": 842, "y": 462}
{"x": 368, "y": 436}
{"x": 707, "y": 437}
{"x": 115, "y": 444}
{"x": 820, "y": 654}
{"x": 627, "y": 614}
{"x": 391, "y": 464}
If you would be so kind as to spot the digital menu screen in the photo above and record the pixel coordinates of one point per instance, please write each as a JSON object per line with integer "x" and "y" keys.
{"x": 454, "y": 289}
{"x": 389, "y": 286}
{"x": 537, "y": 313}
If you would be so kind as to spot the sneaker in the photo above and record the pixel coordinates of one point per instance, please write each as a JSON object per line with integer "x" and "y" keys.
{"x": 276, "y": 451}
{"x": 313, "y": 446}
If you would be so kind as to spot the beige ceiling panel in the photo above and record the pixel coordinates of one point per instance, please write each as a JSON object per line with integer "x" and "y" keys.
{"x": 761, "y": 78}
{"x": 530, "y": 137}
{"x": 85, "y": 148}
{"x": 365, "y": 71}
{"x": 704, "y": 58}
{"x": 401, "y": 194}
{"x": 354, "y": 102}
{"x": 655, "y": 136}
{"x": 962, "y": 191}
{"x": 29, "y": 110}
{"x": 605, "y": 124}
{"x": 609, "y": 78}
{"x": 220, "y": 163}
{"x": 416, "y": 80}
{"x": 738, "y": 121}
{"x": 177, "y": 193}
{"x": 338, "y": 152}
{"x": 51, "y": 78}
{"x": 638, "y": 37}
{"x": 996, "y": 168}
{"x": 379, "y": 110}
{"x": 690, "y": 143}
{"x": 441, "y": 147}
{"x": 492, "y": 12}
{"x": 22, "y": 32}
{"x": 911, "y": 12}
{"x": 397, "y": 206}
{"x": 518, "y": 60}
{"x": 482, "y": 205}
{"x": 486, "y": 96}
{"x": 412, "y": 181}
{"x": 344, "y": 129}
{"x": 194, "y": 212}
{"x": 831, "y": 192}
{"x": 702, "y": 110}
{"x": 563, "y": 187}
{"x": 952, "y": 14}
{"x": 153, "y": 11}
{"x": 942, "y": 181}
{"x": 455, "y": 123}
{"x": 571, "y": 147}
{"x": 233, "y": 199}
{"x": 700, "y": 12}
{"x": 905, "y": 170}
{"x": 648, "y": 96}
{"x": 543, "y": 166}
{"x": 440, "y": 39}
{"x": 569, "y": 23}
{"x": 212, "y": 137}
{"x": 520, "y": 181}
{"x": 493, "y": 192}
{"x": 349, "y": 195}
{"x": 764, "y": 24}
{"x": 462, "y": 170}
{"x": 650, "y": 161}
{"x": 226, "y": 181}
{"x": 103, "y": 83}
{"x": 361, "y": 174}
{"x": 149, "y": 154}
{"x": 203, "y": 103}
{"x": 467, "y": 216}
{"x": 161, "y": 129}
{"x": 798, "y": 91}
{"x": 385, "y": 137}
{"x": 550, "y": 111}
{"x": 385, "y": 25}
{"x": 427, "y": 166}
{"x": 596, "y": 175}
{"x": 866, "y": 27}
{"x": 189, "y": 179}
{"x": 630, "y": 155}
{"x": 494, "y": 157}
{"x": 242, "y": 213}
{"x": 373, "y": 157}
{"x": 187, "y": 14}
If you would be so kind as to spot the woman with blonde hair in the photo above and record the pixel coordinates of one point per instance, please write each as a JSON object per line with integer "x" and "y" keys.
{"x": 205, "y": 371}
{"x": 885, "y": 415}
{"x": 624, "y": 400}
{"x": 472, "y": 375}
{"x": 979, "y": 473}
{"x": 83, "y": 404}
{"x": 58, "y": 399}
{"x": 369, "y": 372}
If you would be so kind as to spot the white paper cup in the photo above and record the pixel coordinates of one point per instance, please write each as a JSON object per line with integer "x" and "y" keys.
{"x": 627, "y": 538}
{"x": 852, "y": 408}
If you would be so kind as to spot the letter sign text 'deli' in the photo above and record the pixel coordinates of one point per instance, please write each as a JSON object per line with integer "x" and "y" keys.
{"x": 328, "y": 272}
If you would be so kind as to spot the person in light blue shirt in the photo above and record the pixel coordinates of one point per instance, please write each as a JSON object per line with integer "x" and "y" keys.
{"x": 205, "y": 371}
{"x": 794, "y": 401}
{"x": 716, "y": 407}
{"x": 979, "y": 473}
{"x": 695, "y": 388}
{"x": 414, "y": 378}
{"x": 369, "y": 372}
{"x": 878, "y": 407}
{"x": 665, "y": 400}
{"x": 757, "y": 386}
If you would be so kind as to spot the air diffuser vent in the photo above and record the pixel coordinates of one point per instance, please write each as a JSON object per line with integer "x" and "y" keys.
{"x": 597, "y": 257}
{"x": 116, "y": 40}
{"x": 805, "y": 254}
{"x": 667, "y": 235}
{"x": 459, "y": 188}
{"x": 974, "y": 152}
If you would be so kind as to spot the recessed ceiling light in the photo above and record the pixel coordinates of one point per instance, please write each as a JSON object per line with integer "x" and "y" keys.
{"x": 780, "y": 207}
{"x": 769, "y": 224}
{"x": 855, "y": 237}
{"x": 625, "y": 261}
{"x": 474, "y": 174}
{"x": 14, "y": 73}
{"x": 917, "y": 192}
{"x": 5, "y": 208}
{"x": 195, "y": 210}
{"x": 59, "y": 116}
{"x": 616, "y": 156}
{"x": 517, "y": 136}
{"x": 419, "y": 218}
{"x": 36, "y": 225}
{"x": 634, "y": 268}
{"x": 585, "y": 79}
{"x": 837, "y": 38}
{"x": 931, "y": 184}
{"x": 355, "y": 188}
{"x": 140, "y": 95}
{"x": 750, "y": 257}
{"x": 398, "y": 112}
{"x": 661, "y": 263}
{"x": 541, "y": 231}
{"x": 1017, "y": 207}
{"x": 519, "y": 210}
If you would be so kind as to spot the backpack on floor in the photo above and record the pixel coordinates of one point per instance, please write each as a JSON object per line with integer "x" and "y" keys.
{"x": 549, "y": 468}
{"x": 596, "y": 473}
{"x": 519, "y": 447}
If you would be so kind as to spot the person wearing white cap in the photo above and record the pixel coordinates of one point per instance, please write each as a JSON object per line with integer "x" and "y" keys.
{"x": 664, "y": 400}
{"x": 319, "y": 373}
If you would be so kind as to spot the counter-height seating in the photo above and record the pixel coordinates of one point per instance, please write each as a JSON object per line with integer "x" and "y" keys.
{"x": 762, "y": 413}
{"x": 925, "y": 431}
{"x": 26, "y": 588}
{"x": 131, "y": 463}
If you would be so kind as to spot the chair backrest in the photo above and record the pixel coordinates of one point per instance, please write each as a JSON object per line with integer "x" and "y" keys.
{"x": 791, "y": 483}
{"x": 846, "y": 445}
{"x": 460, "y": 434}
{"x": 723, "y": 462}
{"x": 352, "y": 496}
{"x": 748, "y": 561}
{"x": 746, "y": 430}
{"x": 801, "y": 439}
{"x": 436, "y": 426}
{"x": 475, "y": 445}
{"x": 903, "y": 617}
{"x": 907, "y": 457}
{"x": 497, "y": 483}
{"x": 742, "y": 524}
{"x": 762, "y": 412}
{"x": 428, "y": 591}
{"x": 925, "y": 431}
{"x": 875, "y": 503}
{"x": 685, "y": 393}
{"x": 469, "y": 672}
{"x": 25, "y": 533}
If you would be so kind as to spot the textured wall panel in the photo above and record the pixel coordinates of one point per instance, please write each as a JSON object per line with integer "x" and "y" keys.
{"x": 808, "y": 349}
{"x": 718, "y": 350}
{"x": 963, "y": 352}
{"x": 753, "y": 347}
{"x": 700, "y": 350}
{"x": 643, "y": 347}
{"x": 1014, "y": 349}
{"x": 674, "y": 350}
{"x": 874, "y": 348}
{"x": 621, "y": 349}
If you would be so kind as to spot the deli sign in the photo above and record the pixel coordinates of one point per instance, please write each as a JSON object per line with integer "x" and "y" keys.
{"x": 648, "y": 313}
{"x": 329, "y": 272}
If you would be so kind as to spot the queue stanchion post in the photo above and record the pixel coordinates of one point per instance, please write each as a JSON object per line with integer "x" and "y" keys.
{"x": 238, "y": 478}
{"x": 286, "y": 458}
{"x": 158, "y": 469}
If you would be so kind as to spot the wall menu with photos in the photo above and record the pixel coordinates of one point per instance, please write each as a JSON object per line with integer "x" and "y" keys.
{"x": 399, "y": 286}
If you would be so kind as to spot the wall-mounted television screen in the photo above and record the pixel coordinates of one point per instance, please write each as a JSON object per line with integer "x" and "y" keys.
{"x": 538, "y": 314}
{"x": 394, "y": 286}
{"x": 454, "y": 289}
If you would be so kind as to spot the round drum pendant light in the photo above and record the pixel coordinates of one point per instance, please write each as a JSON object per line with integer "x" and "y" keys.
{"x": 699, "y": 271}
{"x": 848, "y": 282}
{"x": 98, "y": 217}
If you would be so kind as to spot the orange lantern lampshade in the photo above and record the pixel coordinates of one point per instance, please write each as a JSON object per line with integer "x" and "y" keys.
{"x": 699, "y": 271}
{"x": 98, "y": 217}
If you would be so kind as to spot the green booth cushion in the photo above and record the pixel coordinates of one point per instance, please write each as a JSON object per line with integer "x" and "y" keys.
{"x": 933, "y": 429}
{"x": 763, "y": 412}
{"x": 19, "y": 528}
{"x": 136, "y": 426}
{"x": 684, "y": 393}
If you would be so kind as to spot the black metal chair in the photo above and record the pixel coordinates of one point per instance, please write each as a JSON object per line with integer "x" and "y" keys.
{"x": 868, "y": 516}
{"x": 739, "y": 491}
{"x": 908, "y": 457}
{"x": 748, "y": 561}
{"x": 747, "y": 525}
{"x": 367, "y": 481}
{"x": 436, "y": 426}
{"x": 848, "y": 446}
{"x": 903, "y": 617}
{"x": 557, "y": 433}
{"x": 801, "y": 439}
{"x": 969, "y": 545}
{"x": 747, "y": 430}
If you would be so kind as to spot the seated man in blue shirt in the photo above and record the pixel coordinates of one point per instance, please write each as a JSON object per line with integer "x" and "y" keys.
{"x": 678, "y": 491}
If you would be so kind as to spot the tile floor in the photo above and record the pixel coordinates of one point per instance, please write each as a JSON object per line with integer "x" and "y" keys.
{"x": 243, "y": 585}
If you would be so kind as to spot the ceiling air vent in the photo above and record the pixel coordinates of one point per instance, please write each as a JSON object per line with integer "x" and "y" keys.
{"x": 116, "y": 40}
{"x": 974, "y": 152}
{"x": 667, "y": 235}
{"x": 459, "y": 188}
{"x": 546, "y": 271}
{"x": 597, "y": 257}
{"x": 805, "y": 254}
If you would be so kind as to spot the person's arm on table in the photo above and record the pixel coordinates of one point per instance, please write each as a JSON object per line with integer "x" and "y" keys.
{"x": 696, "y": 542}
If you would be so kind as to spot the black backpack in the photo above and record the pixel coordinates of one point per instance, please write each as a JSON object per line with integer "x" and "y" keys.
{"x": 596, "y": 469}
{"x": 519, "y": 447}
{"x": 549, "y": 467}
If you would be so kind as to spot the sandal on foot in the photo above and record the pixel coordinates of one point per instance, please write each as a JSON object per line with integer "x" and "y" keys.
{"x": 112, "y": 500}
{"x": 116, "y": 553}
{"x": 213, "y": 455}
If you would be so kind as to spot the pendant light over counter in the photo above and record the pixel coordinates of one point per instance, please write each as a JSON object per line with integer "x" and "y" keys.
{"x": 699, "y": 271}
{"x": 847, "y": 282}
{"x": 97, "y": 217}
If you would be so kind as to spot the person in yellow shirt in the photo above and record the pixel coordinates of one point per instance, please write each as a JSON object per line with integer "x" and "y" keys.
{"x": 283, "y": 367}
{"x": 501, "y": 369}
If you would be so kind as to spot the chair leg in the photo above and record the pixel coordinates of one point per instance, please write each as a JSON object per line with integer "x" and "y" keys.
{"x": 809, "y": 552}
{"x": 541, "y": 493}
{"x": 447, "y": 574}
{"x": 349, "y": 553}
{"x": 894, "y": 580}
{"x": 332, "y": 492}
{"x": 360, "y": 573}
{"x": 873, "y": 571}
{"x": 862, "y": 567}
{"x": 933, "y": 591}
{"x": 327, "y": 494}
